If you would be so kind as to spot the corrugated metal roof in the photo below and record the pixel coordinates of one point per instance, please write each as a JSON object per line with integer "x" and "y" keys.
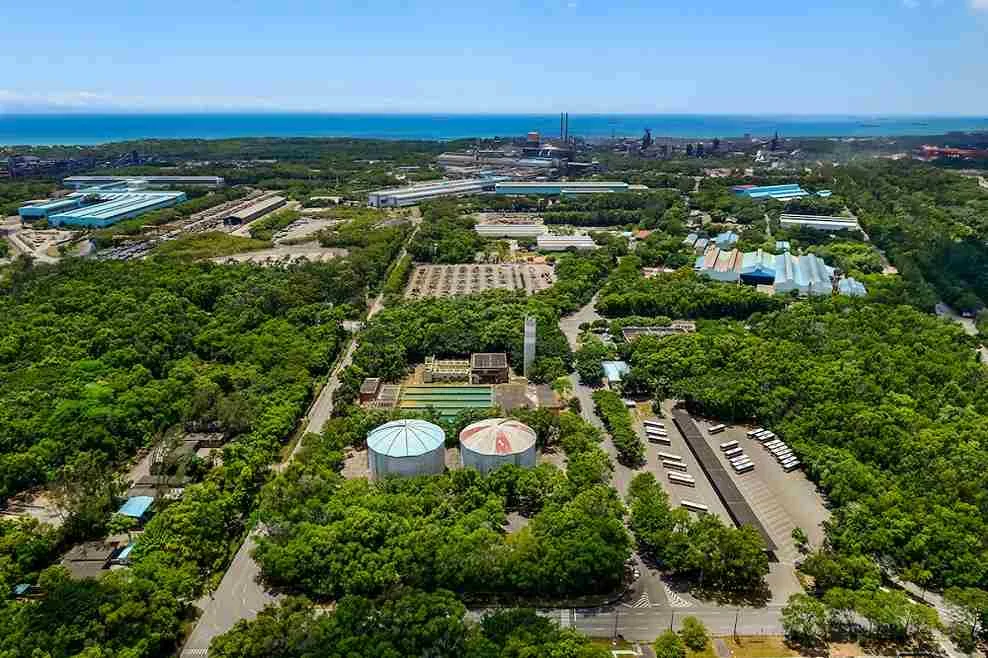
{"x": 406, "y": 438}
{"x": 497, "y": 436}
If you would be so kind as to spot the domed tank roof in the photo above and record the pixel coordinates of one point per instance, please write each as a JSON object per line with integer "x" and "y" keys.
{"x": 497, "y": 436}
{"x": 406, "y": 438}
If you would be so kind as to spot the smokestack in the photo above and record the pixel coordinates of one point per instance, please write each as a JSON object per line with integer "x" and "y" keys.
{"x": 566, "y": 137}
{"x": 561, "y": 124}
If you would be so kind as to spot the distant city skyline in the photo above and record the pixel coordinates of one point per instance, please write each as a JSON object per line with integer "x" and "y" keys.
{"x": 897, "y": 57}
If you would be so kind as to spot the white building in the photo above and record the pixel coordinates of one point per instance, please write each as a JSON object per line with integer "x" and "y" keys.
{"x": 409, "y": 196}
{"x": 820, "y": 222}
{"x": 495, "y": 230}
{"x": 548, "y": 242}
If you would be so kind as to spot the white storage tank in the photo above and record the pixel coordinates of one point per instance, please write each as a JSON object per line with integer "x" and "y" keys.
{"x": 406, "y": 447}
{"x": 493, "y": 442}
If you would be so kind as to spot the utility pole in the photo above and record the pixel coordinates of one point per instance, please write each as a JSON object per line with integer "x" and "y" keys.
{"x": 737, "y": 615}
{"x": 672, "y": 618}
{"x": 617, "y": 616}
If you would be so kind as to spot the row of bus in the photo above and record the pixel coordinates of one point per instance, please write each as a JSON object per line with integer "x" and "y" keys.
{"x": 739, "y": 461}
{"x": 782, "y": 452}
{"x": 655, "y": 432}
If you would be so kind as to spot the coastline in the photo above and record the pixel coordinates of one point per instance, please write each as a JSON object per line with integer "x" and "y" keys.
{"x": 92, "y": 129}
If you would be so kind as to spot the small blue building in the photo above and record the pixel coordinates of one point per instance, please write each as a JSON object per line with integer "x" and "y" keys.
{"x": 99, "y": 208}
{"x": 136, "y": 507}
{"x": 777, "y": 192}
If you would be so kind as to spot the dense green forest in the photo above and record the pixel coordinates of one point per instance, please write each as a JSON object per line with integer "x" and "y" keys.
{"x": 102, "y": 356}
{"x": 406, "y": 623}
{"x": 646, "y": 209}
{"x": 931, "y": 222}
{"x": 329, "y": 537}
{"x": 887, "y": 406}
{"x": 14, "y": 194}
{"x": 445, "y": 235}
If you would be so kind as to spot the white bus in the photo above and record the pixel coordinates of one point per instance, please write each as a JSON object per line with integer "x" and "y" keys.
{"x": 655, "y": 438}
{"x": 734, "y": 452}
{"x": 717, "y": 429}
{"x": 765, "y": 436}
{"x": 671, "y": 456}
{"x": 653, "y": 423}
{"x": 652, "y": 430}
{"x": 739, "y": 460}
{"x": 727, "y": 445}
{"x": 677, "y": 466}
{"x": 694, "y": 507}
{"x": 790, "y": 465}
{"x": 744, "y": 468}
{"x": 680, "y": 478}
{"x": 753, "y": 433}
{"x": 772, "y": 444}
{"x": 778, "y": 450}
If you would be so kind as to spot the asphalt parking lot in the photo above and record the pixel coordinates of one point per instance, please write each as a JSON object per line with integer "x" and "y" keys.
{"x": 703, "y": 492}
{"x": 781, "y": 501}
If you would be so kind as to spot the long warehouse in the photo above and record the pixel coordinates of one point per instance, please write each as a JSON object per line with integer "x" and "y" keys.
{"x": 79, "y": 182}
{"x": 738, "y": 508}
{"x": 101, "y": 208}
{"x": 409, "y": 196}
{"x": 565, "y": 188}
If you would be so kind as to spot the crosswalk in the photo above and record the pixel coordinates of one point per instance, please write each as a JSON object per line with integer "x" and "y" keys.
{"x": 675, "y": 600}
{"x": 642, "y": 602}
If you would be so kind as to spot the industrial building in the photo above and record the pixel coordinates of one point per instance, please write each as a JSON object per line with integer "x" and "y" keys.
{"x": 720, "y": 265}
{"x": 409, "y": 196}
{"x": 99, "y": 208}
{"x": 819, "y": 222}
{"x": 563, "y": 242}
{"x": 806, "y": 275}
{"x": 851, "y": 287}
{"x": 510, "y": 230}
{"x": 407, "y": 448}
{"x": 786, "y": 273}
{"x": 758, "y": 268}
{"x": 777, "y": 192}
{"x": 488, "y": 368}
{"x": 563, "y": 188}
{"x": 80, "y": 182}
{"x": 253, "y": 209}
{"x": 493, "y": 442}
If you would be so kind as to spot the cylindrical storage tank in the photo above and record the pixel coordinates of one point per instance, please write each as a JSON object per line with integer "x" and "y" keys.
{"x": 406, "y": 447}
{"x": 488, "y": 444}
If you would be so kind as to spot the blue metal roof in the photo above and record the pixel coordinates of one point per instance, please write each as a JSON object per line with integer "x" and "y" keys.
{"x": 614, "y": 370}
{"x": 125, "y": 553}
{"x": 136, "y": 506}
{"x": 406, "y": 438}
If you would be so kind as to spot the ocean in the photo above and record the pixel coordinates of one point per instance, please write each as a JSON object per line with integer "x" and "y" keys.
{"x": 77, "y": 129}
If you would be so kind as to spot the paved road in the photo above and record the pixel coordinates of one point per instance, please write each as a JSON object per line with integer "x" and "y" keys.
{"x": 240, "y": 595}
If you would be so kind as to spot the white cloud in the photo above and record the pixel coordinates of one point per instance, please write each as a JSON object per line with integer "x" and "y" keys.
{"x": 979, "y": 5}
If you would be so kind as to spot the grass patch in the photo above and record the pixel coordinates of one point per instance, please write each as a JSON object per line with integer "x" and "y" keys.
{"x": 749, "y": 646}
{"x": 212, "y": 244}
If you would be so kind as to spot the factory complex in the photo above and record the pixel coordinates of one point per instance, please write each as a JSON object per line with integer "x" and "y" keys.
{"x": 80, "y": 182}
{"x": 564, "y": 188}
{"x": 99, "y": 208}
{"x": 777, "y": 192}
{"x": 408, "y": 196}
{"x": 785, "y": 273}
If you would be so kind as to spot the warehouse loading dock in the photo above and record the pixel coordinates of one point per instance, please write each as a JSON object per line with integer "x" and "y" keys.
{"x": 737, "y": 507}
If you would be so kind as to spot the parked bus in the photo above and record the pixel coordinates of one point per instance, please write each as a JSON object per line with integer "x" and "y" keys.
{"x": 653, "y": 423}
{"x": 671, "y": 456}
{"x": 739, "y": 460}
{"x": 659, "y": 438}
{"x": 727, "y": 445}
{"x": 678, "y": 466}
{"x": 694, "y": 507}
{"x": 717, "y": 429}
{"x": 753, "y": 433}
{"x": 680, "y": 478}
{"x": 734, "y": 452}
{"x": 744, "y": 468}
{"x": 790, "y": 465}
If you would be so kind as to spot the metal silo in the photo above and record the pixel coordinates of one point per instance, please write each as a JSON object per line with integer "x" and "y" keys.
{"x": 406, "y": 447}
{"x": 493, "y": 442}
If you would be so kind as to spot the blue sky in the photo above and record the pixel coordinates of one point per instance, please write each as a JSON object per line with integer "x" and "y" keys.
{"x": 703, "y": 56}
